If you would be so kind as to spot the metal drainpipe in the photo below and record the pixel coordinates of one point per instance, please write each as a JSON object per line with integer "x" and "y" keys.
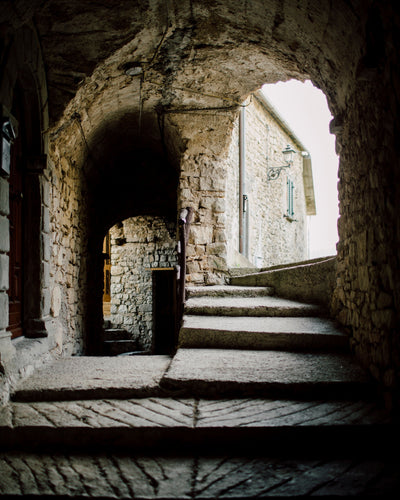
{"x": 242, "y": 181}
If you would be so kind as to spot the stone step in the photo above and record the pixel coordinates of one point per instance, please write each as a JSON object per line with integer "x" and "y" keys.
{"x": 228, "y": 290}
{"x": 103, "y": 476}
{"x": 89, "y": 377}
{"x": 116, "y": 334}
{"x": 311, "y": 281}
{"x": 250, "y": 306}
{"x": 301, "y": 333}
{"x": 117, "y": 347}
{"x": 180, "y": 424}
{"x": 253, "y": 373}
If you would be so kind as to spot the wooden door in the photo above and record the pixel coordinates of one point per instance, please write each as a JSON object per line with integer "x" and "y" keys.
{"x": 107, "y": 275}
{"x": 16, "y": 291}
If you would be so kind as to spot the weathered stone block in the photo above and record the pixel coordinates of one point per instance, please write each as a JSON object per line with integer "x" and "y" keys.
{"x": 200, "y": 234}
{"x": 45, "y": 219}
{"x": 4, "y": 196}
{"x": 4, "y": 278}
{"x": 4, "y": 234}
{"x": 3, "y": 310}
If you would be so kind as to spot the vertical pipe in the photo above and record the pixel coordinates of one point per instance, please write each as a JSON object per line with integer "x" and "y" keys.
{"x": 242, "y": 180}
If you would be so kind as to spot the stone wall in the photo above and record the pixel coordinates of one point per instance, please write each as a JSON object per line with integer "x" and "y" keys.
{"x": 367, "y": 296}
{"x": 273, "y": 238}
{"x": 43, "y": 334}
{"x": 138, "y": 245}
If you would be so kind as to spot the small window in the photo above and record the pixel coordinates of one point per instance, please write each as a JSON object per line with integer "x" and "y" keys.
{"x": 290, "y": 206}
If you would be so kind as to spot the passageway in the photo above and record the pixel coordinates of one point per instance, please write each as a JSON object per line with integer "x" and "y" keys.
{"x": 133, "y": 107}
{"x": 136, "y": 108}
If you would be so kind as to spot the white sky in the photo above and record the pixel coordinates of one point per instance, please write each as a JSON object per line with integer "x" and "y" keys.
{"x": 305, "y": 109}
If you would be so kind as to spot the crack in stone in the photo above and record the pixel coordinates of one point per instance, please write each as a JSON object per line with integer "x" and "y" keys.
{"x": 81, "y": 477}
{"x": 152, "y": 480}
{"x": 14, "y": 474}
{"x": 82, "y": 419}
{"x": 220, "y": 478}
{"x": 113, "y": 419}
{"x": 33, "y": 474}
{"x": 122, "y": 475}
{"x": 103, "y": 472}
{"x": 42, "y": 414}
{"x": 132, "y": 414}
{"x": 153, "y": 410}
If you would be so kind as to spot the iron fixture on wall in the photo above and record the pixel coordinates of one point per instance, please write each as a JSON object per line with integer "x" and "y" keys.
{"x": 8, "y": 135}
{"x": 274, "y": 172}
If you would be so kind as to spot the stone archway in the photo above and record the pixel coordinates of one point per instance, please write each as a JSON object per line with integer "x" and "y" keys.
{"x": 195, "y": 60}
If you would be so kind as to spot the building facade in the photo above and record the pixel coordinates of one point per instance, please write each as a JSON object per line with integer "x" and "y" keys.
{"x": 276, "y": 202}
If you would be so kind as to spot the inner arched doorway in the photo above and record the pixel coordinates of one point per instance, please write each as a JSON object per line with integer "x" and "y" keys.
{"x": 132, "y": 188}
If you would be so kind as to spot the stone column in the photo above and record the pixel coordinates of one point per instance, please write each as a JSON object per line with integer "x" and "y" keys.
{"x": 6, "y": 348}
{"x": 37, "y": 298}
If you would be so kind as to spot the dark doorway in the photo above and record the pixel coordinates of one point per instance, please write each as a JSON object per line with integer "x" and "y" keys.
{"x": 164, "y": 311}
{"x": 16, "y": 220}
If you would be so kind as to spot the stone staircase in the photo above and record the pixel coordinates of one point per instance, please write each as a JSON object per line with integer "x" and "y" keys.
{"x": 117, "y": 341}
{"x": 240, "y": 340}
{"x": 261, "y": 399}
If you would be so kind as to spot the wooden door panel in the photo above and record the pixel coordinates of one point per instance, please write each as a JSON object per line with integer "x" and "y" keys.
{"x": 15, "y": 292}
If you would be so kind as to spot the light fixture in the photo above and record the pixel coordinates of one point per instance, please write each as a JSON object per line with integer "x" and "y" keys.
{"x": 8, "y": 135}
{"x": 133, "y": 68}
{"x": 288, "y": 154}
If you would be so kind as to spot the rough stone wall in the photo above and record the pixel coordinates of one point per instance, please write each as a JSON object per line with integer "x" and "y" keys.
{"x": 272, "y": 238}
{"x": 367, "y": 294}
{"x": 68, "y": 248}
{"x": 203, "y": 187}
{"x": 23, "y": 65}
{"x": 138, "y": 245}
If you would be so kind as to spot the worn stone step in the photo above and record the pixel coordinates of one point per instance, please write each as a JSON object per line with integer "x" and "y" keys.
{"x": 116, "y": 334}
{"x": 142, "y": 476}
{"x": 116, "y": 347}
{"x": 89, "y": 377}
{"x": 250, "y": 306}
{"x": 261, "y": 333}
{"x": 245, "y": 373}
{"x": 228, "y": 290}
{"x": 180, "y": 424}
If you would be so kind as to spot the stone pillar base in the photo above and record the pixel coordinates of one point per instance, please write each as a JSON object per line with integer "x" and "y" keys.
{"x": 36, "y": 328}
{"x": 7, "y": 350}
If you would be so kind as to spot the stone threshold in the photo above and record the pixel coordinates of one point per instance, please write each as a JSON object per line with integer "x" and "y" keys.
{"x": 180, "y": 424}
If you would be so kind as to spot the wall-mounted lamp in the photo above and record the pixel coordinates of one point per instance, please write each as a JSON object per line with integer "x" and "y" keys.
{"x": 288, "y": 154}
{"x": 133, "y": 68}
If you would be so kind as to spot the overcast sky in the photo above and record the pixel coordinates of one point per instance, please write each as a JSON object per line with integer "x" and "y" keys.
{"x": 305, "y": 109}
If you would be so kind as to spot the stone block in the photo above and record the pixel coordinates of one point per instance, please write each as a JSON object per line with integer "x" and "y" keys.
{"x": 4, "y": 234}
{"x": 45, "y": 219}
{"x": 46, "y": 247}
{"x": 4, "y": 197}
{"x": 45, "y": 302}
{"x": 3, "y": 310}
{"x": 200, "y": 234}
{"x": 4, "y": 278}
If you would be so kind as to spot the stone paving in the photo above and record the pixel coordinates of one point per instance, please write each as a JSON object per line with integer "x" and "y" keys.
{"x": 186, "y": 477}
{"x": 205, "y": 423}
